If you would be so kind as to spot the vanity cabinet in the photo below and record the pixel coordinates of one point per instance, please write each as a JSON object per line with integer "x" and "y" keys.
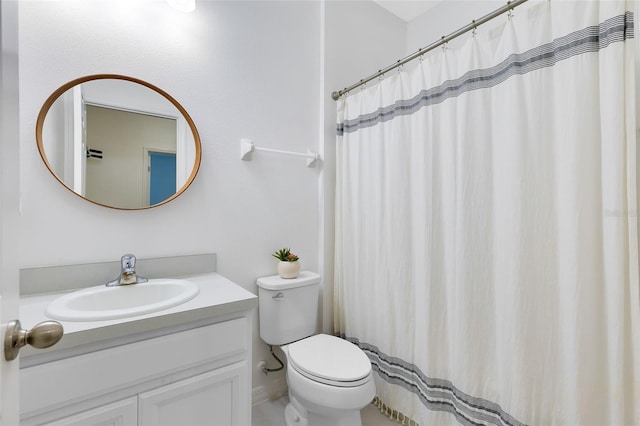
{"x": 198, "y": 376}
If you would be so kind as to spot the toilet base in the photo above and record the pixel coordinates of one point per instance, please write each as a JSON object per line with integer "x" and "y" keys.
{"x": 296, "y": 415}
{"x": 350, "y": 418}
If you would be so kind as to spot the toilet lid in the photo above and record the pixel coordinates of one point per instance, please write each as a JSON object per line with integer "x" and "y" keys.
{"x": 329, "y": 358}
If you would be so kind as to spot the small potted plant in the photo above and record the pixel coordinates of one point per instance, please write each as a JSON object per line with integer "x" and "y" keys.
{"x": 289, "y": 265}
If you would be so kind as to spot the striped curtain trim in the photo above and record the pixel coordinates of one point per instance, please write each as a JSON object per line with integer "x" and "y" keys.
{"x": 436, "y": 394}
{"x": 590, "y": 39}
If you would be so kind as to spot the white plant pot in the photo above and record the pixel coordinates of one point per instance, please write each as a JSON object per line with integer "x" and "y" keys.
{"x": 289, "y": 269}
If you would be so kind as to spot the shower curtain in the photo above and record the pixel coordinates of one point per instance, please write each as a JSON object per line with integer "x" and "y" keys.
{"x": 486, "y": 224}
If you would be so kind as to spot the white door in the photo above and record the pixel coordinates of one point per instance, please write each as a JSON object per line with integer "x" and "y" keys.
{"x": 9, "y": 202}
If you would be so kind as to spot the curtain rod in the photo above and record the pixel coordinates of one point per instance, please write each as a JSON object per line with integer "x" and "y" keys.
{"x": 445, "y": 39}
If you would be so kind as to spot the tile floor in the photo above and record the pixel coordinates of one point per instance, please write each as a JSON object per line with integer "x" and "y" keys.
{"x": 271, "y": 413}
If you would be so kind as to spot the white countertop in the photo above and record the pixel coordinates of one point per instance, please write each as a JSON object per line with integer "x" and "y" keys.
{"x": 218, "y": 297}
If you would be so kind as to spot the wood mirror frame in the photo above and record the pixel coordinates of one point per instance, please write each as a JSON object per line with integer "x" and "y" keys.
{"x": 64, "y": 88}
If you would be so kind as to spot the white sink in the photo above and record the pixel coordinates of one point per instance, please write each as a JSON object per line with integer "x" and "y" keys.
{"x": 105, "y": 303}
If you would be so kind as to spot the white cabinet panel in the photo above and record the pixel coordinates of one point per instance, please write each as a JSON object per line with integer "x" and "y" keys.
{"x": 121, "y": 413}
{"x": 93, "y": 373}
{"x": 217, "y": 398}
{"x": 199, "y": 376}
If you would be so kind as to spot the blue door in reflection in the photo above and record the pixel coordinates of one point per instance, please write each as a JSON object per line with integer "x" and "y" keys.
{"x": 162, "y": 176}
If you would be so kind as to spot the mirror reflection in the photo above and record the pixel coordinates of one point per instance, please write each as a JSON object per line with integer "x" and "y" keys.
{"x": 118, "y": 142}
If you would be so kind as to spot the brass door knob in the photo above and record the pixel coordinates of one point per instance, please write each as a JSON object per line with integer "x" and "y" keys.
{"x": 43, "y": 335}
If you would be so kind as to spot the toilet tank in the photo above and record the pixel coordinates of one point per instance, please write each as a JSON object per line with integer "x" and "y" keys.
{"x": 288, "y": 308}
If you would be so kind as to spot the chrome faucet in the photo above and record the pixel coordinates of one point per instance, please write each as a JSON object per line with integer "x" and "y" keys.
{"x": 127, "y": 272}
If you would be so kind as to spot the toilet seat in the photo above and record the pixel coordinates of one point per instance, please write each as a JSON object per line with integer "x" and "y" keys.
{"x": 330, "y": 360}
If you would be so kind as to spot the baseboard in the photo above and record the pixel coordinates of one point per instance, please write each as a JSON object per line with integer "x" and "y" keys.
{"x": 276, "y": 389}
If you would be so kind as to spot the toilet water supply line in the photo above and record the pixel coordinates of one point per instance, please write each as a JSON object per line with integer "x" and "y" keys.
{"x": 263, "y": 365}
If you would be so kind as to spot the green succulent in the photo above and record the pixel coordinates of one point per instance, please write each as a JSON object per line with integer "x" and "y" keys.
{"x": 285, "y": 255}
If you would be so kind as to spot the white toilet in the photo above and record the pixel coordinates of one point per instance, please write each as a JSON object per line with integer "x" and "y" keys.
{"x": 330, "y": 379}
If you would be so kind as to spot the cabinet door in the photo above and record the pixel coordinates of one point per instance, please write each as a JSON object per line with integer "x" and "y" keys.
{"x": 121, "y": 413}
{"x": 216, "y": 398}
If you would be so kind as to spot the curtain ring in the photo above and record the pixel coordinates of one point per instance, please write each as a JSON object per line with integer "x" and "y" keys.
{"x": 444, "y": 45}
{"x": 475, "y": 28}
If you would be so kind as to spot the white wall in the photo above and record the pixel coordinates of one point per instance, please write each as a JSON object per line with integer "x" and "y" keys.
{"x": 241, "y": 69}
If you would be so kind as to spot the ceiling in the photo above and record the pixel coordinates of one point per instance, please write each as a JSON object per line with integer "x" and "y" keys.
{"x": 407, "y": 9}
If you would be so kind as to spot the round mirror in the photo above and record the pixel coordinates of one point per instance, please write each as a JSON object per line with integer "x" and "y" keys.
{"x": 118, "y": 142}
